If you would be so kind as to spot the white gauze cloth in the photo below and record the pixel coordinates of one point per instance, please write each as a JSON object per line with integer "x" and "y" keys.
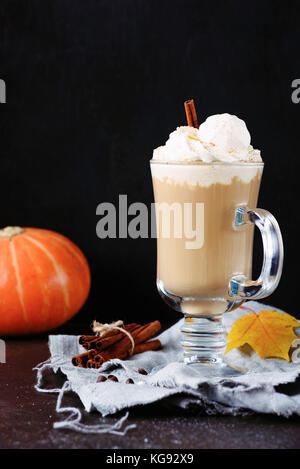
{"x": 174, "y": 383}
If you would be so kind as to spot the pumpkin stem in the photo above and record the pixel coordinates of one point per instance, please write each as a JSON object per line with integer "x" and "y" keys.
{"x": 10, "y": 231}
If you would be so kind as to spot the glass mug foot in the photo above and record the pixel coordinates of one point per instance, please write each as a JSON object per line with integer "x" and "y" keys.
{"x": 204, "y": 343}
{"x": 203, "y": 340}
{"x": 203, "y": 337}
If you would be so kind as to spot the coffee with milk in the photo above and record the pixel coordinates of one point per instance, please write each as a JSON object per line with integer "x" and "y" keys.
{"x": 200, "y": 177}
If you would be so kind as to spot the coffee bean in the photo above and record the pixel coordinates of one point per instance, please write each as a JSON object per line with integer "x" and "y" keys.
{"x": 130, "y": 381}
{"x": 101, "y": 378}
{"x": 142, "y": 371}
{"x": 112, "y": 378}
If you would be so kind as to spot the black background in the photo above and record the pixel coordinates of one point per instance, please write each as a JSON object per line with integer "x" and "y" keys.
{"x": 94, "y": 86}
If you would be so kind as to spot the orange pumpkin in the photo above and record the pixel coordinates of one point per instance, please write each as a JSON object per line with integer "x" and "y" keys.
{"x": 44, "y": 280}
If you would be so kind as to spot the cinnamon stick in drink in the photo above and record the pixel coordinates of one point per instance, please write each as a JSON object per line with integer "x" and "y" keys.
{"x": 191, "y": 114}
{"x": 188, "y": 113}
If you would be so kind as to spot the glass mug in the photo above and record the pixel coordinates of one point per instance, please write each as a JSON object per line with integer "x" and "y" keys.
{"x": 205, "y": 219}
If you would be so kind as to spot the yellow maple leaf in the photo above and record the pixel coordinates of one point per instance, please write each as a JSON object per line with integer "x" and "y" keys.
{"x": 269, "y": 333}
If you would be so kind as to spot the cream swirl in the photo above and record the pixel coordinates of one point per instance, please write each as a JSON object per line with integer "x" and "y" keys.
{"x": 222, "y": 137}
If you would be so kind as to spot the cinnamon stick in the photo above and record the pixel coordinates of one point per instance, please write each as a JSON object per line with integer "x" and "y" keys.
{"x": 92, "y": 357}
{"x": 81, "y": 359}
{"x": 188, "y": 113}
{"x": 117, "y": 345}
{"x": 145, "y": 347}
{"x": 89, "y": 344}
{"x": 100, "y": 343}
{"x": 86, "y": 338}
{"x": 191, "y": 114}
{"x": 107, "y": 341}
{"x": 121, "y": 349}
{"x": 121, "y": 355}
{"x": 148, "y": 331}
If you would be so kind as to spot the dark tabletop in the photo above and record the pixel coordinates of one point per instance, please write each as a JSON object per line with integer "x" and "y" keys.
{"x": 27, "y": 417}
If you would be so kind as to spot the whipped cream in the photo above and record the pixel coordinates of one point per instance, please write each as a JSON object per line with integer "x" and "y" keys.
{"x": 222, "y": 137}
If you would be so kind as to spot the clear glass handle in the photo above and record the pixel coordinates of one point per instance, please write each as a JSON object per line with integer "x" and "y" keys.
{"x": 240, "y": 286}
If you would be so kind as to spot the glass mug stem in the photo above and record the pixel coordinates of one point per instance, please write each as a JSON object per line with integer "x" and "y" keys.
{"x": 203, "y": 338}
